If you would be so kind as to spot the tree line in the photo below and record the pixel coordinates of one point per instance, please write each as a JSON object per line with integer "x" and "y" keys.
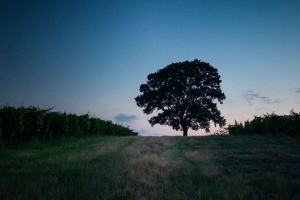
{"x": 271, "y": 124}
{"x": 33, "y": 123}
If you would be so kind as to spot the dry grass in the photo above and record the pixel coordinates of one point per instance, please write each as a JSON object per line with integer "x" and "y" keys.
{"x": 145, "y": 171}
{"x": 225, "y": 167}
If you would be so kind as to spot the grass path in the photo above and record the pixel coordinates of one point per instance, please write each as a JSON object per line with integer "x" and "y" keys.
{"x": 223, "y": 167}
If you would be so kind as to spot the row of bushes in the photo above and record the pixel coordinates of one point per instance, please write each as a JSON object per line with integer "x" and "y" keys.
{"x": 19, "y": 124}
{"x": 269, "y": 124}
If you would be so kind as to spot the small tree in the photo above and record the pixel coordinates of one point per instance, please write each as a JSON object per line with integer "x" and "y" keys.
{"x": 184, "y": 92}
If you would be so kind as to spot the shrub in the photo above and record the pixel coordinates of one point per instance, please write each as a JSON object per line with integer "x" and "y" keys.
{"x": 271, "y": 124}
{"x": 30, "y": 123}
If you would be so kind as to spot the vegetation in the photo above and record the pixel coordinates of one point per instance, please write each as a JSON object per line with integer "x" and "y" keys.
{"x": 270, "y": 124}
{"x": 185, "y": 93}
{"x": 100, "y": 167}
{"x": 44, "y": 158}
{"x": 32, "y": 123}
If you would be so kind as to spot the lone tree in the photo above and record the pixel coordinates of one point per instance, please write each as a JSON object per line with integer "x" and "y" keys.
{"x": 184, "y": 92}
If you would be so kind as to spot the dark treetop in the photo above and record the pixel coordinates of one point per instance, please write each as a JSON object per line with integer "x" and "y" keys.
{"x": 184, "y": 92}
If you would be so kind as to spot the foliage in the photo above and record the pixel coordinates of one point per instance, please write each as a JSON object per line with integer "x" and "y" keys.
{"x": 32, "y": 123}
{"x": 221, "y": 131}
{"x": 271, "y": 124}
{"x": 185, "y": 93}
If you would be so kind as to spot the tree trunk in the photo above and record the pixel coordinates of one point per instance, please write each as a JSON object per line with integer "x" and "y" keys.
{"x": 183, "y": 126}
{"x": 185, "y": 130}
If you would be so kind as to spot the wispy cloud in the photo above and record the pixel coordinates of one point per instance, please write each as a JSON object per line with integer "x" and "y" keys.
{"x": 144, "y": 132}
{"x": 296, "y": 90}
{"x": 250, "y": 96}
{"x": 125, "y": 118}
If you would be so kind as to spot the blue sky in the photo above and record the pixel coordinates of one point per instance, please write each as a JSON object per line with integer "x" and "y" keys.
{"x": 92, "y": 56}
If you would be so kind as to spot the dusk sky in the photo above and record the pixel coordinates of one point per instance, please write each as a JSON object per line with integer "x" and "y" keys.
{"x": 92, "y": 56}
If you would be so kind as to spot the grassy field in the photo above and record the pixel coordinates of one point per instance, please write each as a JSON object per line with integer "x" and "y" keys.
{"x": 212, "y": 167}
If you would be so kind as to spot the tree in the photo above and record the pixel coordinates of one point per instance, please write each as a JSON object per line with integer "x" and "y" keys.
{"x": 184, "y": 93}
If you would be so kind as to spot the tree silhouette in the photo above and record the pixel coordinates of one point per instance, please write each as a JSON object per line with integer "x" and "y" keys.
{"x": 184, "y": 93}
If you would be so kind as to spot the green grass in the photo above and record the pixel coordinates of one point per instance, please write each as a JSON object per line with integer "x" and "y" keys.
{"x": 212, "y": 167}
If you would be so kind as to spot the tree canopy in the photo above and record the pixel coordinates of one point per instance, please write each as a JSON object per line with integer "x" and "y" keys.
{"x": 183, "y": 93}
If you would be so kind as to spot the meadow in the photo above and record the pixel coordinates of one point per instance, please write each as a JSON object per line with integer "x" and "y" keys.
{"x": 133, "y": 167}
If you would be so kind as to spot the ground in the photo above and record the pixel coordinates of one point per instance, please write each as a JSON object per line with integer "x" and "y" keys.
{"x": 97, "y": 167}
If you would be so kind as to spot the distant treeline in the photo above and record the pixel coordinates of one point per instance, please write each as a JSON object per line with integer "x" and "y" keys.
{"x": 32, "y": 123}
{"x": 271, "y": 124}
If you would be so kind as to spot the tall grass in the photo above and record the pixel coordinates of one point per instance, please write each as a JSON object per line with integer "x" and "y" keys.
{"x": 100, "y": 167}
{"x": 32, "y": 123}
{"x": 270, "y": 124}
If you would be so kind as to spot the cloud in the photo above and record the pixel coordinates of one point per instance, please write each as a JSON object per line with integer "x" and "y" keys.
{"x": 125, "y": 118}
{"x": 250, "y": 96}
{"x": 297, "y": 90}
{"x": 144, "y": 132}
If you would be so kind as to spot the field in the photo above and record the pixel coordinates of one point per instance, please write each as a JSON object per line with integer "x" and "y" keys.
{"x": 102, "y": 167}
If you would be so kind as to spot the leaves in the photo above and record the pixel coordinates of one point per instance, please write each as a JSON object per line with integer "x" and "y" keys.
{"x": 271, "y": 124}
{"x": 185, "y": 93}
{"x": 30, "y": 123}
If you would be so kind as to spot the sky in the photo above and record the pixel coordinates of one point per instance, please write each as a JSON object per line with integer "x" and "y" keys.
{"x": 92, "y": 56}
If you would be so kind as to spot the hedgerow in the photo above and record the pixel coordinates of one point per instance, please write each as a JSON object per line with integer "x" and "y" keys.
{"x": 271, "y": 124}
{"x": 33, "y": 123}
